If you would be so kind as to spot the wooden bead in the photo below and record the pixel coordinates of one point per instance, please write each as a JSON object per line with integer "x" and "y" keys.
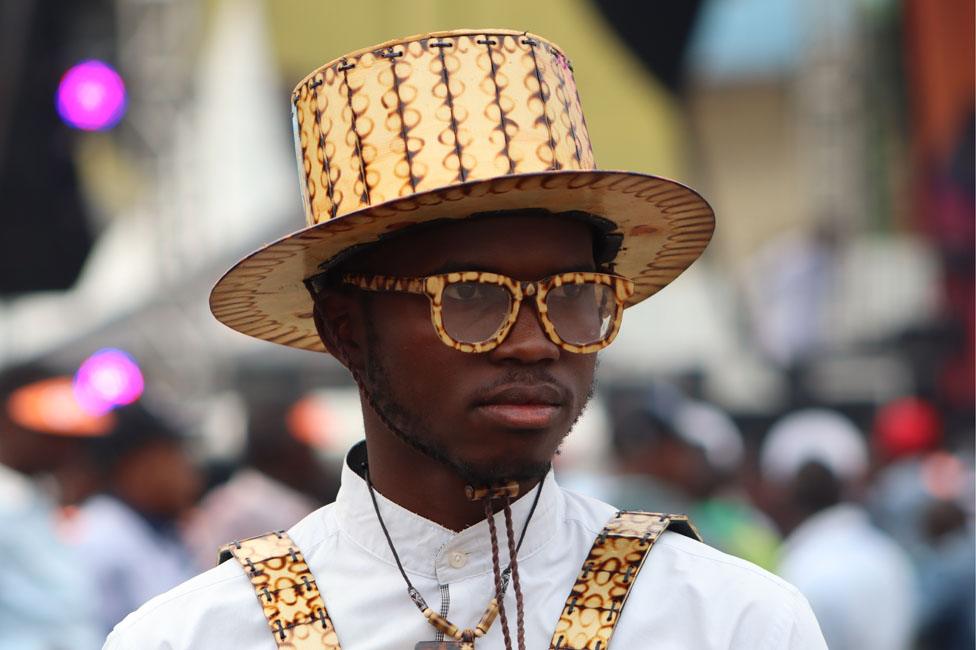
{"x": 441, "y": 623}
{"x": 487, "y": 618}
{"x": 510, "y": 489}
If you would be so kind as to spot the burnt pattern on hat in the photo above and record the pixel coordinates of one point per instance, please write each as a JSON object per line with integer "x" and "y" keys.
{"x": 354, "y": 137}
{"x": 444, "y": 124}
{"x": 325, "y": 176}
{"x": 404, "y": 168}
{"x": 449, "y": 136}
{"x": 504, "y": 122}
{"x": 562, "y": 94}
{"x": 540, "y": 96}
{"x": 481, "y": 142}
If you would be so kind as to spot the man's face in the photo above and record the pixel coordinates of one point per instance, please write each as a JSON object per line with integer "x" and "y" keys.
{"x": 494, "y": 415}
{"x": 158, "y": 479}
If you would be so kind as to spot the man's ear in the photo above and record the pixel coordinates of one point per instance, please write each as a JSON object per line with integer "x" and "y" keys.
{"x": 337, "y": 316}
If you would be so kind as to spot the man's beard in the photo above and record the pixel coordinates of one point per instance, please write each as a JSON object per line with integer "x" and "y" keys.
{"x": 414, "y": 430}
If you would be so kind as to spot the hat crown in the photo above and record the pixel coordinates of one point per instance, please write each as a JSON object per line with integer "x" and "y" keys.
{"x": 432, "y": 111}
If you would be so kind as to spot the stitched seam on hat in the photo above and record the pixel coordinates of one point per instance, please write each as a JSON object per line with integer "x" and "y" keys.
{"x": 404, "y": 130}
{"x": 449, "y": 98}
{"x": 326, "y": 166}
{"x": 579, "y": 102}
{"x": 569, "y": 113}
{"x": 545, "y": 114}
{"x": 359, "y": 141}
{"x": 502, "y": 116}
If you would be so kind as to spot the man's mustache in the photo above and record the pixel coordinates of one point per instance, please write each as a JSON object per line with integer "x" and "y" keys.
{"x": 524, "y": 377}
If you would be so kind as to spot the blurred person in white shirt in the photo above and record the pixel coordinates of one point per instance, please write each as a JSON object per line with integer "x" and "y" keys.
{"x": 45, "y": 591}
{"x": 859, "y": 582}
{"x": 128, "y": 536}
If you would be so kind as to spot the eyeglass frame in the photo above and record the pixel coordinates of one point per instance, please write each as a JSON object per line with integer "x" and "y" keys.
{"x": 433, "y": 287}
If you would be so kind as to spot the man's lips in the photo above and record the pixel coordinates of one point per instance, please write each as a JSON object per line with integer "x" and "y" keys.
{"x": 522, "y": 407}
{"x": 520, "y": 416}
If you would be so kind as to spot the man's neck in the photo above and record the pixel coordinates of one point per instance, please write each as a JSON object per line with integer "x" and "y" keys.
{"x": 424, "y": 485}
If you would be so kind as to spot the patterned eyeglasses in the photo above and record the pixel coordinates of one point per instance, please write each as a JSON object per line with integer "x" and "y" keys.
{"x": 473, "y": 311}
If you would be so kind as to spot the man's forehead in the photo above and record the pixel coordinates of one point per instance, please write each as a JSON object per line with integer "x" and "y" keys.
{"x": 531, "y": 244}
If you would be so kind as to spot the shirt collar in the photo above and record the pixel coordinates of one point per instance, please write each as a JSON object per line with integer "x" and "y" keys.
{"x": 427, "y": 548}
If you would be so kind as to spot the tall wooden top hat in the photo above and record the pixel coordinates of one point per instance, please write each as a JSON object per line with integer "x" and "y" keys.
{"x": 444, "y": 126}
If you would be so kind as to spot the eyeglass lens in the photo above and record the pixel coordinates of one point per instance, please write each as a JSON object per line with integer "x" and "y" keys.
{"x": 473, "y": 312}
{"x": 581, "y": 313}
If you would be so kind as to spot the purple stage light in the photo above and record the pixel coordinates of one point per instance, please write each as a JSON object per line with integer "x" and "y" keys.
{"x": 107, "y": 379}
{"x": 91, "y": 96}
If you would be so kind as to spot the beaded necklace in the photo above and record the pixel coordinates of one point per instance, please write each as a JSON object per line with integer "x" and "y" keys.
{"x": 464, "y": 639}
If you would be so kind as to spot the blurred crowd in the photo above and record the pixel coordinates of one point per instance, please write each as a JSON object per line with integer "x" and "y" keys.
{"x": 101, "y": 512}
{"x": 807, "y": 395}
{"x": 873, "y": 524}
{"x": 874, "y": 527}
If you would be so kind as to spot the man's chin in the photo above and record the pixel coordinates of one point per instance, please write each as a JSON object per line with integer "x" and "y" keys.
{"x": 492, "y": 471}
{"x": 510, "y": 456}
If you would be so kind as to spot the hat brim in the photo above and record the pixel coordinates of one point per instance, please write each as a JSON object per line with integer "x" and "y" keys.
{"x": 664, "y": 226}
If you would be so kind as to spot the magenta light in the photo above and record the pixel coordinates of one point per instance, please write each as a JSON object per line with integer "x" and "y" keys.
{"x": 91, "y": 96}
{"x": 107, "y": 379}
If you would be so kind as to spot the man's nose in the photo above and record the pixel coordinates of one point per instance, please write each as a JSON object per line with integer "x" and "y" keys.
{"x": 527, "y": 342}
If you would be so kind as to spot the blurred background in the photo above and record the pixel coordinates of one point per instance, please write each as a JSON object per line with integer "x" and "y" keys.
{"x": 805, "y": 391}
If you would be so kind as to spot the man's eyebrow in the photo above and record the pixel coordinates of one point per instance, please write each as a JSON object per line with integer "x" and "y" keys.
{"x": 455, "y": 267}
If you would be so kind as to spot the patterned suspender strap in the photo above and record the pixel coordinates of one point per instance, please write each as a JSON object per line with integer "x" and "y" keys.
{"x": 610, "y": 570}
{"x": 287, "y": 591}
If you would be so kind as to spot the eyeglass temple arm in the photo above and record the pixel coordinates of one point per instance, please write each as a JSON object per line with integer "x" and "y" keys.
{"x": 386, "y": 283}
{"x": 624, "y": 288}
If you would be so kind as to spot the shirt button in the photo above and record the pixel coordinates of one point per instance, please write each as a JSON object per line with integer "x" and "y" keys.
{"x": 457, "y": 559}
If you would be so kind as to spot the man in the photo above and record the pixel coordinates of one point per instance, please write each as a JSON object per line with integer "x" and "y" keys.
{"x": 465, "y": 260}
{"x": 859, "y": 582}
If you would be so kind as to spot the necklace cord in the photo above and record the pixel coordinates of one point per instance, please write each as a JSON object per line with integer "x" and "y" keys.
{"x": 513, "y": 563}
{"x": 414, "y": 594}
{"x": 495, "y": 566}
{"x": 501, "y": 586}
{"x": 528, "y": 518}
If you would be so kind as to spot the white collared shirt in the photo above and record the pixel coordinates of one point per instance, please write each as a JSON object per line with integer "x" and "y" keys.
{"x": 687, "y": 595}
